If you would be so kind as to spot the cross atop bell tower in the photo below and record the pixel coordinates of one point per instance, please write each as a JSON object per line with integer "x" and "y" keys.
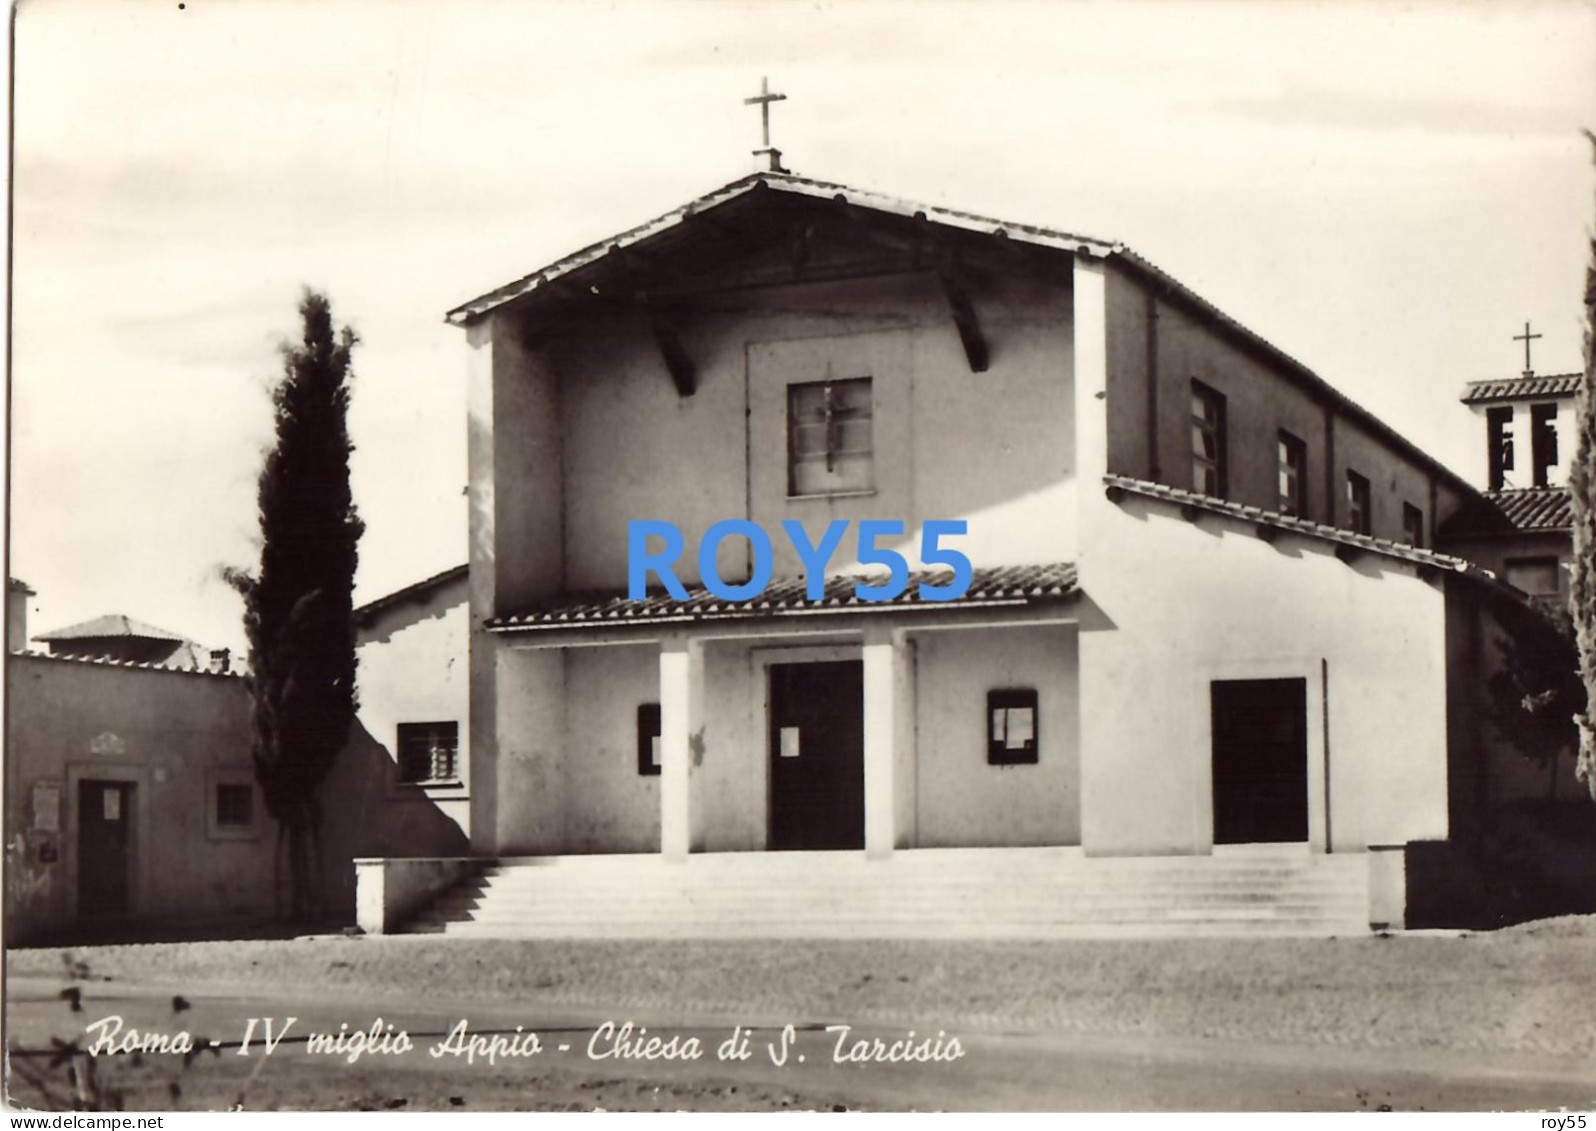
{"x": 763, "y": 100}
{"x": 1526, "y": 337}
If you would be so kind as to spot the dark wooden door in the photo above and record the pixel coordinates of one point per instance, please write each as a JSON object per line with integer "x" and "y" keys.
{"x": 1260, "y": 758}
{"x": 105, "y": 842}
{"x": 817, "y": 755}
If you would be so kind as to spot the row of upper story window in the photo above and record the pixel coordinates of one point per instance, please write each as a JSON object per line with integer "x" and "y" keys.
{"x": 1211, "y": 471}
{"x": 1543, "y": 445}
{"x": 830, "y": 450}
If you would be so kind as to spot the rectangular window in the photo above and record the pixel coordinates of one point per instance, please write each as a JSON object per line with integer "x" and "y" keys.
{"x": 232, "y": 806}
{"x": 830, "y": 437}
{"x": 1011, "y": 728}
{"x": 1500, "y": 423}
{"x": 1293, "y": 476}
{"x": 648, "y": 759}
{"x": 1543, "y": 442}
{"x": 1207, "y": 441}
{"x": 1539, "y": 577}
{"x": 1412, "y": 525}
{"x": 235, "y": 805}
{"x": 1358, "y": 517}
{"x": 429, "y": 753}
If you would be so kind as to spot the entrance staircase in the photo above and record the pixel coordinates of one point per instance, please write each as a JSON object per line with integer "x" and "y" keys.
{"x": 917, "y": 893}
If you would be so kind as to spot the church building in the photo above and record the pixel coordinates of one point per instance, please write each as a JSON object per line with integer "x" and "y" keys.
{"x": 1201, "y": 678}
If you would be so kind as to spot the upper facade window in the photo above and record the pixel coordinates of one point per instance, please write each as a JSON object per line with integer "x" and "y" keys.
{"x": 1208, "y": 441}
{"x": 1539, "y": 577}
{"x": 1412, "y": 525}
{"x": 1358, "y": 516}
{"x": 830, "y": 438}
{"x": 1293, "y": 476}
{"x": 1500, "y": 423}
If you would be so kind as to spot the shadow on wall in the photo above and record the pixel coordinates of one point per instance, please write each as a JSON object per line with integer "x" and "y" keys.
{"x": 1530, "y": 859}
{"x": 367, "y": 811}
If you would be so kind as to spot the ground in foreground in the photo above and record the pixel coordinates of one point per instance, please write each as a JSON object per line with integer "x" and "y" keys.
{"x": 1488, "y": 1021}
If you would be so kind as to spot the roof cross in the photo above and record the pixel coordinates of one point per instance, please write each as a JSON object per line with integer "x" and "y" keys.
{"x": 763, "y": 100}
{"x": 1526, "y": 337}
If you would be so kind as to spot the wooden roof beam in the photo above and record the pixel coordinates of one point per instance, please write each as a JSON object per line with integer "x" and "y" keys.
{"x": 678, "y": 363}
{"x": 957, "y": 292}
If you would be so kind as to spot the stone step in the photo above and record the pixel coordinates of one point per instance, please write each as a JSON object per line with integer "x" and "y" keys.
{"x": 983, "y": 893}
{"x": 916, "y": 926}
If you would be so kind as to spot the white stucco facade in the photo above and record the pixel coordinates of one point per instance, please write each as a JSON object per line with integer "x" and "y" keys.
{"x": 1081, "y": 379}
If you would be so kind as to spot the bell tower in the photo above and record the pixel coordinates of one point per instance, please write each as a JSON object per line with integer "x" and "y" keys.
{"x": 1528, "y": 439}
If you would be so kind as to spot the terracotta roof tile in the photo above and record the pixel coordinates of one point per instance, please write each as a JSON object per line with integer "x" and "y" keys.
{"x": 1521, "y": 388}
{"x": 1279, "y": 521}
{"x": 112, "y": 624}
{"x": 1513, "y": 512}
{"x": 105, "y": 662}
{"x": 989, "y": 586}
{"x": 419, "y": 590}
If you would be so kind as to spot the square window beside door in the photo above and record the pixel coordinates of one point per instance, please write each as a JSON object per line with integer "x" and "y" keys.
{"x": 235, "y": 805}
{"x": 1011, "y": 728}
{"x": 648, "y": 755}
{"x": 830, "y": 437}
{"x": 429, "y": 753}
{"x": 233, "y": 809}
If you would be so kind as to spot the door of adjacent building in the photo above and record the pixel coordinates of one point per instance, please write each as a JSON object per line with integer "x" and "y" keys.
{"x": 817, "y": 755}
{"x": 1260, "y": 760}
{"x": 105, "y": 846}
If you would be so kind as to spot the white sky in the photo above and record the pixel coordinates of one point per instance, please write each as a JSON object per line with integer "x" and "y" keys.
{"x": 1387, "y": 192}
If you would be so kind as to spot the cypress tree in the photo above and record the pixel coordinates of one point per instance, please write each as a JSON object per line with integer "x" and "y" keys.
{"x": 298, "y": 606}
{"x": 1582, "y": 485}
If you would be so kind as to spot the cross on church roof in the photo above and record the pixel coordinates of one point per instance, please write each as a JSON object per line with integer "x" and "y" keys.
{"x": 763, "y": 100}
{"x": 1526, "y": 337}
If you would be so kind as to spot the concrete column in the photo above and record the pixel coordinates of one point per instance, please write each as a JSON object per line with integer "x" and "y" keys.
{"x": 515, "y": 506}
{"x": 681, "y": 744}
{"x": 1106, "y": 666}
{"x": 887, "y": 727}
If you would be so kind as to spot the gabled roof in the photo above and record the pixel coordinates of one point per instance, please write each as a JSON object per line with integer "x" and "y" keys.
{"x": 784, "y": 183}
{"x": 416, "y": 592}
{"x": 174, "y": 667}
{"x": 110, "y": 625}
{"x": 1522, "y": 388}
{"x": 1519, "y": 511}
{"x": 621, "y": 248}
{"x": 991, "y": 586}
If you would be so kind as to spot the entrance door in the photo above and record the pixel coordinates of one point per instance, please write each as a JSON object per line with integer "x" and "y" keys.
{"x": 105, "y": 818}
{"x": 1260, "y": 758}
{"x": 817, "y": 755}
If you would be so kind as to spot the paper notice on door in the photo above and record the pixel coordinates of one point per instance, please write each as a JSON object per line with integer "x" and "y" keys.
{"x": 653, "y": 751}
{"x": 789, "y": 742}
{"x": 47, "y": 806}
{"x": 113, "y": 804}
{"x": 1022, "y": 727}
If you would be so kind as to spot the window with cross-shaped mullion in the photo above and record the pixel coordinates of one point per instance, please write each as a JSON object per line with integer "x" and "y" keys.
{"x": 830, "y": 438}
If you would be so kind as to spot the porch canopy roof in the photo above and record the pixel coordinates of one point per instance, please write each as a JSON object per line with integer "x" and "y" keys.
{"x": 990, "y": 587}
